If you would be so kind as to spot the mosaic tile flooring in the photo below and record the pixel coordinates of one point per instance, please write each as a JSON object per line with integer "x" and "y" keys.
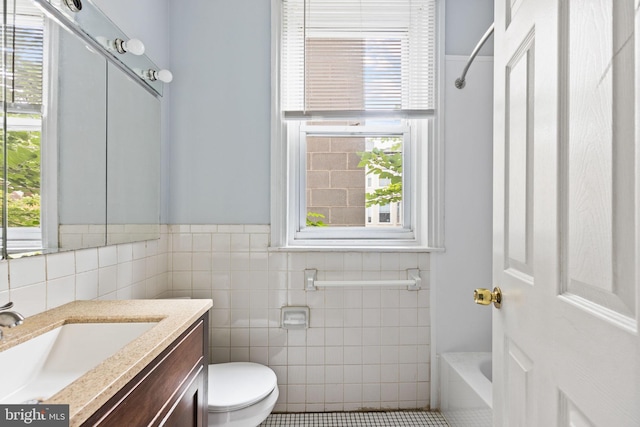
{"x": 357, "y": 419}
{"x": 476, "y": 417}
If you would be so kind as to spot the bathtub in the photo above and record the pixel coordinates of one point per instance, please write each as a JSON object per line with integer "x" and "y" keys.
{"x": 465, "y": 389}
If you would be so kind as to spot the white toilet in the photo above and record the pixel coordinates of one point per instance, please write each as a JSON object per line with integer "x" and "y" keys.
{"x": 241, "y": 394}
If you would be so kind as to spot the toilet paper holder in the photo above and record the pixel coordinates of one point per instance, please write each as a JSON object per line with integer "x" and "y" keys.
{"x": 294, "y": 317}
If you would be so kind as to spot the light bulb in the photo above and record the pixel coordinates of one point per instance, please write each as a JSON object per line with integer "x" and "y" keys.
{"x": 163, "y": 75}
{"x": 134, "y": 46}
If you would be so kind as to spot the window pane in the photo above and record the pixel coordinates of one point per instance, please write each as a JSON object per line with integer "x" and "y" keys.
{"x": 384, "y": 50}
{"x": 384, "y": 214}
{"x": 351, "y": 181}
{"x": 2, "y": 216}
{"x": 353, "y": 74}
{"x": 23, "y": 69}
{"x": 23, "y": 163}
{"x": 24, "y": 35}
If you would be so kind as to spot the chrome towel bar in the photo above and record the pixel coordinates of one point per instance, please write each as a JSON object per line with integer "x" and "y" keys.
{"x": 412, "y": 283}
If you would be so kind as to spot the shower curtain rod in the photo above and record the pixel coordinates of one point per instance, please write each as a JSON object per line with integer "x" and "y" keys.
{"x": 460, "y": 82}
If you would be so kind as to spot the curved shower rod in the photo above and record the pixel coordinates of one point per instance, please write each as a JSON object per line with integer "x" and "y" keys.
{"x": 460, "y": 82}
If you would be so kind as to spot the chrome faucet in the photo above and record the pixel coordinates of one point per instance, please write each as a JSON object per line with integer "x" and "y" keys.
{"x": 9, "y": 319}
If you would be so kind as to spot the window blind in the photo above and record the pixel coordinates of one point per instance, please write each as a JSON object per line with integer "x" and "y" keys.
{"x": 358, "y": 56}
{"x": 24, "y": 57}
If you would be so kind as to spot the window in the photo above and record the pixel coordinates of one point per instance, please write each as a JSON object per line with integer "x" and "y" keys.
{"x": 24, "y": 38}
{"x": 354, "y": 124}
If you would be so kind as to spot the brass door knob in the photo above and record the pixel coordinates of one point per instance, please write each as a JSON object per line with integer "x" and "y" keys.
{"x": 485, "y": 297}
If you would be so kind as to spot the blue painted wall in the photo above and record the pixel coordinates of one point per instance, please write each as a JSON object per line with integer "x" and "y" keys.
{"x": 218, "y": 156}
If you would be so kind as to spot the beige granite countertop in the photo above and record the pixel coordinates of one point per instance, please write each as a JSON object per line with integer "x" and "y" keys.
{"x": 96, "y": 387}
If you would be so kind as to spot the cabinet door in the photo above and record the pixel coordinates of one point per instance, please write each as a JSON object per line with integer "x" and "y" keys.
{"x": 171, "y": 390}
{"x": 187, "y": 409}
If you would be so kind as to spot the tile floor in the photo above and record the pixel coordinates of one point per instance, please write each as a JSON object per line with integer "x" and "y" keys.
{"x": 476, "y": 417}
{"x": 357, "y": 419}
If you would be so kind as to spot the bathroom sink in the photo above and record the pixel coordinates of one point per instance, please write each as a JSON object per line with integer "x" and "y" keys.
{"x": 40, "y": 367}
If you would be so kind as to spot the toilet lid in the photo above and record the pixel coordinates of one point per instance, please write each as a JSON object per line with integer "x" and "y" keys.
{"x": 236, "y": 385}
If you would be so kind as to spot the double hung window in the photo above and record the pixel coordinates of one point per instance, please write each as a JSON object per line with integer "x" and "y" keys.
{"x": 354, "y": 129}
{"x": 22, "y": 68}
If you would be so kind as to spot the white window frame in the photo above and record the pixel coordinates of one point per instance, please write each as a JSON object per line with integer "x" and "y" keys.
{"x": 21, "y": 240}
{"x": 297, "y": 232}
{"x": 425, "y": 179}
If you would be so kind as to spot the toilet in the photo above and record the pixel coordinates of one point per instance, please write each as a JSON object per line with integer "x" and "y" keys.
{"x": 241, "y": 394}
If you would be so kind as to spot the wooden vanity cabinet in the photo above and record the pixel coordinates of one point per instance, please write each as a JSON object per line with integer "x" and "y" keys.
{"x": 170, "y": 391}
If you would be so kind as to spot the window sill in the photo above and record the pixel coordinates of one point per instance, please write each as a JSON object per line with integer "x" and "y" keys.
{"x": 355, "y": 248}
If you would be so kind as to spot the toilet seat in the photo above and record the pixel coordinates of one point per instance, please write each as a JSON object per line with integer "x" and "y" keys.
{"x": 237, "y": 385}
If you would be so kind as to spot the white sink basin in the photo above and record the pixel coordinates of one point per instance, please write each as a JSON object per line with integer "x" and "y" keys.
{"x": 39, "y": 368}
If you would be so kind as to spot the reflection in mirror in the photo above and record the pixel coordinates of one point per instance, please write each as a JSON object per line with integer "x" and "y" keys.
{"x": 82, "y": 145}
{"x": 133, "y": 174}
{"x": 2, "y": 175}
{"x": 23, "y": 74}
{"x": 66, "y": 107}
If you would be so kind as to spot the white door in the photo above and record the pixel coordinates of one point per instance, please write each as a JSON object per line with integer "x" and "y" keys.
{"x": 567, "y": 213}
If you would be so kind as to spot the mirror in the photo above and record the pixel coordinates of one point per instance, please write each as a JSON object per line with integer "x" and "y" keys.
{"x": 81, "y": 141}
{"x": 133, "y": 159}
{"x": 82, "y": 136}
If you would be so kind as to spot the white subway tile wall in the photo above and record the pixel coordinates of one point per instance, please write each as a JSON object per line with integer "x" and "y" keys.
{"x": 365, "y": 348}
{"x": 132, "y": 270}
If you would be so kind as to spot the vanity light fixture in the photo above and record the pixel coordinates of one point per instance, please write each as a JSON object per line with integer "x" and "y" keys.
{"x": 163, "y": 75}
{"x": 74, "y": 5}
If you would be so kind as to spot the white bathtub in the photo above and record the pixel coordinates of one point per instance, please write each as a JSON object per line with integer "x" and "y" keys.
{"x": 465, "y": 389}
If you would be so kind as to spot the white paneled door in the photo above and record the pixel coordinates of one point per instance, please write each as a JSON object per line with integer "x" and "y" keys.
{"x": 567, "y": 213}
